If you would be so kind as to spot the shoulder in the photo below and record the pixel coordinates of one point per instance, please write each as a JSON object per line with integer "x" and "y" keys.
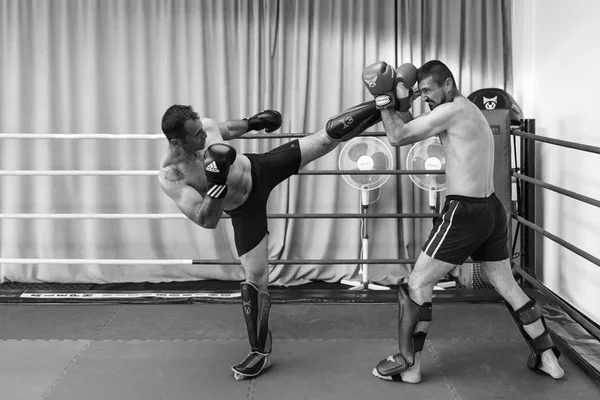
{"x": 452, "y": 107}
{"x": 209, "y": 124}
{"x": 465, "y": 105}
{"x": 213, "y": 132}
{"x": 451, "y": 112}
{"x": 443, "y": 115}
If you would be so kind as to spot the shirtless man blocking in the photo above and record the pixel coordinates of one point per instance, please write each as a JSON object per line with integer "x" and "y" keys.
{"x": 205, "y": 177}
{"x": 473, "y": 222}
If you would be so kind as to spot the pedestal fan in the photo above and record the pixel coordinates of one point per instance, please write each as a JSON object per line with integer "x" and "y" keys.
{"x": 365, "y": 154}
{"x": 428, "y": 154}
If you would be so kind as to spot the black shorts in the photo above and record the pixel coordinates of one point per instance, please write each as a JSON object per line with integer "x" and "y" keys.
{"x": 268, "y": 170}
{"x": 473, "y": 227}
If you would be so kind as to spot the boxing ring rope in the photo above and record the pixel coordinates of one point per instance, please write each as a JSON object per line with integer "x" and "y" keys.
{"x": 155, "y": 173}
{"x": 181, "y": 216}
{"x": 77, "y": 173}
{"x": 562, "y": 242}
{"x": 557, "y": 189}
{"x": 559, "y": 142}
{"x": 108, "y": 261}
{"x": 145, "y": 136}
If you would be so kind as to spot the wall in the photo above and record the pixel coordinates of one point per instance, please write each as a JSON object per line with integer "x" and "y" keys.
{"x": 556, "y": 60}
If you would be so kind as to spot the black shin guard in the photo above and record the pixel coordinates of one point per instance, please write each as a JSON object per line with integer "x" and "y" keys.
{"x": 410, "y": 340}
{"x": 353, "y": 121}
{"x": 410, "y": 314}
{"x": 526, "y": 315}
{"x": 257, "y": 308}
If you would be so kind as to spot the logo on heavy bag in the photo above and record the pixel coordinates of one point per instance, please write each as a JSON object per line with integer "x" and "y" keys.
{"x": 490, "y": 103}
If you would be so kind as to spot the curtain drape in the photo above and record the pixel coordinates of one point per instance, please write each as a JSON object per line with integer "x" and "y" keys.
{"x": 114, "y": 66}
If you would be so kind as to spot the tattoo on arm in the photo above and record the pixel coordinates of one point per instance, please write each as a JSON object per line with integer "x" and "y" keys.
{"x": 172, "y": 174}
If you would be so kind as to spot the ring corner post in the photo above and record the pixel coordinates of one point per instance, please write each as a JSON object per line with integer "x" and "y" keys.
{"x": 528, "y": 160}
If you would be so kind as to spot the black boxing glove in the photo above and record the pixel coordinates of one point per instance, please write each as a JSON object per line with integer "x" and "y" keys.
{"x": 217, "y": 160}
{"x": 269, "y": 120}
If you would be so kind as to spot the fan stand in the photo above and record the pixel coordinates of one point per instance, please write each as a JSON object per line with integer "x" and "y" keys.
{"x": 433, "y": 200}
{"x": 364, "y": 284}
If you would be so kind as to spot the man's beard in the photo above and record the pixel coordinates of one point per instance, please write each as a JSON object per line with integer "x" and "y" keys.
{"x": 433, "y": 104}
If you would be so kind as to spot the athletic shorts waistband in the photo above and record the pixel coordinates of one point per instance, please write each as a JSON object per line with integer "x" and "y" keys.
{"x": 470, "y": 199}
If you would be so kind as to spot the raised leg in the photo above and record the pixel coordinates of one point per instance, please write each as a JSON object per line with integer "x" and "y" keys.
{"x": 340, "y": 128}
{"x": 315, "y": 146}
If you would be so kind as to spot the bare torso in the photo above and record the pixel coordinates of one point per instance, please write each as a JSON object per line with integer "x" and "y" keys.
{"x": 469, "y": 149}
{"x": 178, "y": 169}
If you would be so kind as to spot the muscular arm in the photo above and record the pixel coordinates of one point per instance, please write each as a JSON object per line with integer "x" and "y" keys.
{"x": 205, "y": 212}
{"x": 269, "y": 120}
{"x": 401, "y": 129}
{"x": 233, "y": 129}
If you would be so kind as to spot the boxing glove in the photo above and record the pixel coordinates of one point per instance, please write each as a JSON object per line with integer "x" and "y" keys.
{"x": 269, "y": 120}
{"x": 380, "y": 81}
{"x": 406, "y": 77}
{"x": 217, "y": 160}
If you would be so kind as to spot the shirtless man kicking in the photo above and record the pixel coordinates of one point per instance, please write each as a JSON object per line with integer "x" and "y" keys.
{"x": 205, "y": 177}
{"x": 473, "y": 222}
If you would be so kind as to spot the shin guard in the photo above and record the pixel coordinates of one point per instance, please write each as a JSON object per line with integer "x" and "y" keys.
{"x": 257, "y": 309}
{"x": 256, "y": 305}
{"x": 526, "y": 315}
{"x": 353, "y": 121}
{"x": 410, "y": 340}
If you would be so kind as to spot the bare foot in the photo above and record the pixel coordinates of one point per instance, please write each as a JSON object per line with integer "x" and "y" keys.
{"x": 549, "y": 364}
{"x": 411, "y": 375}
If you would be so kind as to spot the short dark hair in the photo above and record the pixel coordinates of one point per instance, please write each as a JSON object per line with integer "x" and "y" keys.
{"x": 174, "y": 119}
{"x": 437, "y": 70}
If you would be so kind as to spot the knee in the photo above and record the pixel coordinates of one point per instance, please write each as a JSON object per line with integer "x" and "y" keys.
{"x": 253, "y": 276}
{"x": 258, "y": 278}
{"x": 324, "y": 143}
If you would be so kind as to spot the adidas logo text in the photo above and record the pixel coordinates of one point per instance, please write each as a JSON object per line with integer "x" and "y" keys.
{"x": 212, "y": 167}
